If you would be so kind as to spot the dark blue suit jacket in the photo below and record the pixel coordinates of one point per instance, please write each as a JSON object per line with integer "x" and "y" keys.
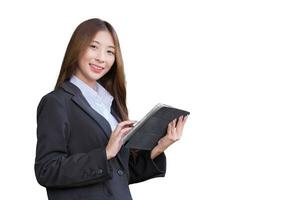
{"x": 70, "y": 155}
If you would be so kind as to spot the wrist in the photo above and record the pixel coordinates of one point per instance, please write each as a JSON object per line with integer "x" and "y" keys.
{"x": 160, "y": 148}
{"x": 108, "y": 155}
{"x": 156, "y": 151}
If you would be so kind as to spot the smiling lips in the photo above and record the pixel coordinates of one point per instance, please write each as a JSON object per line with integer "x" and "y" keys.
{"x": 96, "y": 68}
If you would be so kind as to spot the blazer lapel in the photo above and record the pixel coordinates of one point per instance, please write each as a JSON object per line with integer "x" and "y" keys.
{"x": 114, "y": 113}
{"x": 84, "y": 105}
{"x": 99, "y": 119}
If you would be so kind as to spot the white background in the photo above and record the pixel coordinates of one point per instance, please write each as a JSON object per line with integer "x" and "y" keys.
{"x": 233, "y": 64}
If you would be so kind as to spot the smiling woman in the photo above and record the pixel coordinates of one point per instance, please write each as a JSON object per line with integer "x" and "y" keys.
{"x": 81, "y": 124}
{"x": 93, "y": 42}
{"x": 97, "y": 59}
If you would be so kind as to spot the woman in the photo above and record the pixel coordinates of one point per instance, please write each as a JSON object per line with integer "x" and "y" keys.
{"x": 80, "y": 125}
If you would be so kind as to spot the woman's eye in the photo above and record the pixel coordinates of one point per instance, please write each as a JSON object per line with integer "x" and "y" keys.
{"x": 93, "y": 46}
{"x": 111, "y": 52}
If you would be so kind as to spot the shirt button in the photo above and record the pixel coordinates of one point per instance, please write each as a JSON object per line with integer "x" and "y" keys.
{"x": 120, "y": 172}
{"x": 99, "y": 171}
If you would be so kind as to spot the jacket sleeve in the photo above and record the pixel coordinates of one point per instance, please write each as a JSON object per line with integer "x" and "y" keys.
{"x": 54, "y": 166}
{"x": 142, "y": 167}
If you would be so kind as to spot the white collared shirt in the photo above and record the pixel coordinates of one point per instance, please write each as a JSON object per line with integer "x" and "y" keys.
{"x": 100, "y": 99}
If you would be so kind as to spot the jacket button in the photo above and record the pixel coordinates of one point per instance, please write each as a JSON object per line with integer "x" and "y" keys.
{"x": 120, "y": 172}
{"x": 99, "y": 171}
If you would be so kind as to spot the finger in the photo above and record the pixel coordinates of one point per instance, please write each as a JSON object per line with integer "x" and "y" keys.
{"x": 121, "y": 125}
{"x": 184, "y": 121}
{"x": 174, "y": 123}
{"x": 124, "y": 131}
{"x": 117, "y": 129}
{"x": 185, "y": 118}
{"x": 173, "y": 130}
{"x": 169, "y": 131}
{"x": 179, "y": 132}
{"x": 178, "y": 128}
{"x": 180, "y": 122}
{"x": 127, "y": 122}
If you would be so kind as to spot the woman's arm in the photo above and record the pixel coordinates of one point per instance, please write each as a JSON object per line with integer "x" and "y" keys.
{"x": 174, "y": 133}
{"x": 142, "y": 167}
{"x": 54, "y": 167}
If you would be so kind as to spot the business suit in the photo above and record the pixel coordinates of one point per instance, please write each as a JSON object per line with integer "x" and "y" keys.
{"x": 71, "y": 158}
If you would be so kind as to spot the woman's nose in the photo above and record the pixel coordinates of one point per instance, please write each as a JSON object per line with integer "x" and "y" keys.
{"x": 100, "y": 57}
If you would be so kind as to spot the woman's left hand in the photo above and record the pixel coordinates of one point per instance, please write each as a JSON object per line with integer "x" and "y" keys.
{"x": 174, "y": 133}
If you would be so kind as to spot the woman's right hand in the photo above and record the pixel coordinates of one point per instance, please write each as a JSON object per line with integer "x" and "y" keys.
{"x": 115, "y": 142}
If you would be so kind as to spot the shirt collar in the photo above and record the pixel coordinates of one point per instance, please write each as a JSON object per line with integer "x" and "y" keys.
{"x": 100, "y": 94}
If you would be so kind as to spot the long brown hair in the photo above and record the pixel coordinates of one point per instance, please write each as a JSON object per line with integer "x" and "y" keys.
{"x": 114, "y": 80}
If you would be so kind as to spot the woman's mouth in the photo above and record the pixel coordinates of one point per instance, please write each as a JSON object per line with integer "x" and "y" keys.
{"x": 96, "y": 68}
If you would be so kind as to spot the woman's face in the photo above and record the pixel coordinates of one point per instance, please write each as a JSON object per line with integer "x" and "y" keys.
{"x": 97, "y": 59}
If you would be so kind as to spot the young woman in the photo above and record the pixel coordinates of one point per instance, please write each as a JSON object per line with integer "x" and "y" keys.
{"x": 80, "y": 125}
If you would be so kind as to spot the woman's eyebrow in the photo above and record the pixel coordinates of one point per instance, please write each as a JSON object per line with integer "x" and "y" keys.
{"x": 111, "y": 46}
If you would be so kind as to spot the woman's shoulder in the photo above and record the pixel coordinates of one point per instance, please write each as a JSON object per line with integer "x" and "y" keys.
{"x": 55, "y": 101}
{"x": 57, "y": 96}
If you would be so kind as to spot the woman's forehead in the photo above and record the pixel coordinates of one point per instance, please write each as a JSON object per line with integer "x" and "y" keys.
{"x": 104, "y": 38}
